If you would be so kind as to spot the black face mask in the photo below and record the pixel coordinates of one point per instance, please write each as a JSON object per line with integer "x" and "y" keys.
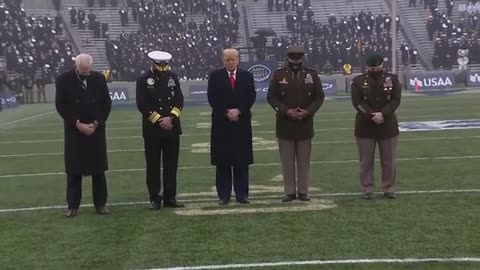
{"x": 375, "y": 74}
{"x": 295, "y": 67}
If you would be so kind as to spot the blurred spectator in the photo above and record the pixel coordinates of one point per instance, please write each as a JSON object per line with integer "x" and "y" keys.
{"x": 195, "y": 47}
{"x": 450, "y": 36}
{"x": 29, "y": 43}
{"x": 341, "y": 41}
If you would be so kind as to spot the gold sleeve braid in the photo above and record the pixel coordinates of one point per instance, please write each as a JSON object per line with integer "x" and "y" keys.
{"x": 176, "y": 111}
{"x": 154, "y": 117}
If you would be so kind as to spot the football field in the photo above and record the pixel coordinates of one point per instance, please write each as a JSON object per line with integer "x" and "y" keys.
{"x": 433, "y": 223}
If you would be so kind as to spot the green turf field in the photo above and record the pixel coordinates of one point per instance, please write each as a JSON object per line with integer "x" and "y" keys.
{"x": 437, "y": 216}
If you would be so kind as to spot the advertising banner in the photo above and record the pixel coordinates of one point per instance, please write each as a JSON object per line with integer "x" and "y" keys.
{"x": 473, "y": 79}
{"x": 432, "y": 80}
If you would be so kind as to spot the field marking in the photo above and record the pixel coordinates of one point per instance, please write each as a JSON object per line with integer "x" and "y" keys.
{"x": 206, "y": 125}
{"x": 322, "y": 262}
{"x": 253, "y": 165}
{"x": 25, "y": 119}
{"x": 212, "y": 199}
{"x": 270, "y": 132}
{"x": 268, "y": 206}
{"x": 261, "y": 149}
{"x": 139, "y": 129}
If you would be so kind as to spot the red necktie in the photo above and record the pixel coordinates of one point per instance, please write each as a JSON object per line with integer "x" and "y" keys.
{"x": 232, "y": 80}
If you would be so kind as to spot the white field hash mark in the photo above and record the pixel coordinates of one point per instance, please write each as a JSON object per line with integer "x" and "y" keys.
{"x": 191, "y": 148}
{"x": 260, "y": 197}
{"x": 324, "y": 262}
{"x": 253, "y": 165}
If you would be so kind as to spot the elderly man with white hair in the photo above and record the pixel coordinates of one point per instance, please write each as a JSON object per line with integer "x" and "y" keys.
{"x": 83, "y": 101}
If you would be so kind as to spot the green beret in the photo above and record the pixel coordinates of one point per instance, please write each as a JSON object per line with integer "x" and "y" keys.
{"x": 374, "y": 60}
{"x": 295, "y": 49}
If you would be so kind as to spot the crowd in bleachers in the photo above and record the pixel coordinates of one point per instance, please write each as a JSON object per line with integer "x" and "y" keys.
{"x": 195, "y": 46}
{"x": 33, "y": 47}
{"x": 345, "y": 40}
{"x": 451, "y": 34}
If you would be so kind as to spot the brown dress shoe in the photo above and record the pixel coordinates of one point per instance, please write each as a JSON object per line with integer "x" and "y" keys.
{"x": 103, "y": 211}
{"x": 71, "y": 213}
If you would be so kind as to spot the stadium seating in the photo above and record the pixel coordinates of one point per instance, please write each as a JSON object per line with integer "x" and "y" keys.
{"x": 451, "y": 32}
{"x": 33, "y": 43}
{"x": 326, "y": 13}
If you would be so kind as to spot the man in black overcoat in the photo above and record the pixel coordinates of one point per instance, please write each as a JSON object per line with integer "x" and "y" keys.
{"x": 231, "y": 94}
{"x": 83, "y": 101}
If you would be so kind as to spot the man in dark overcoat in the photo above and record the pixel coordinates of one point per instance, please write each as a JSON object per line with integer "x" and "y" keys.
{"x": 83, "y": 101}
{"x": 231, "y": 94}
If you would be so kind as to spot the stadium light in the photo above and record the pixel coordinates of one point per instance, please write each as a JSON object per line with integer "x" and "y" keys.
{"x": 394, "y": 36}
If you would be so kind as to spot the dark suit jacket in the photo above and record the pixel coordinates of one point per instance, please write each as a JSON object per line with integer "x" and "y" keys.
{"x": 231, "y": 142}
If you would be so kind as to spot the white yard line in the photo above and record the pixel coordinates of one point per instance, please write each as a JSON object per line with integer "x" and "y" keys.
{"x": 260, "y": 197}
{"x": 323, "y": 262}
{"x": 207, "y": 120}
{"x": 39, "y": 154}
{"x": 139, "y": 129}
{"x": 11, "y": 176}
{"x": 26, "y": 118}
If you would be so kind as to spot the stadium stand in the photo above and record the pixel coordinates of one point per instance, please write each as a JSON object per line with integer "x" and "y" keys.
{"x": 360, "y": 20}
{"x": 201, "y": 30}
{"x": 33, "y": 44}
{"x": 445, "y": 29}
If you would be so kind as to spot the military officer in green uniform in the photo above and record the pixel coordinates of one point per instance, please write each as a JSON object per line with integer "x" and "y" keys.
{"x": 296, "y": 94}
{"x": 160, "y": 101}
{"x": 376, "y": 96}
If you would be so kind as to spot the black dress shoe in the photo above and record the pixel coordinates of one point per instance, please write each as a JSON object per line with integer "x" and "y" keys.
{"x": 390, "y": 195}
{"x": 304, "y": 197}
{"x": 71, "y": 213}
{"x": 223, "y": 202}
{"x": 102, "y": 211}
{"x": 289, "y": 198}
{"x": 243, "y": 201}
{"x": 155, "y": 205}
{"x": 173, "y": 204}
{"x": 368, "y": 195}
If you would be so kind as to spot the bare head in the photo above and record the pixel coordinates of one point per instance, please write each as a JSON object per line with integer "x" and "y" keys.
{"x": 83, "y": 64}
{"x": 231, "y": 57}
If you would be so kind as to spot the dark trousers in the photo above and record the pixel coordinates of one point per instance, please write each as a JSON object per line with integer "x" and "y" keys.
{"x": 164, "y": 149}
{"x": 388, "y": 155}
{"x": 74, "y": 190}
{"x": 224, "y": 182}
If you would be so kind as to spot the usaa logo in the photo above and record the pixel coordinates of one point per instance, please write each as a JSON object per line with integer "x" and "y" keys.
{"x": 431, "y": 82}
{"x": 260, "y": 72}
{"x": 118, "y": 96}
{"x": 475, "y": 78}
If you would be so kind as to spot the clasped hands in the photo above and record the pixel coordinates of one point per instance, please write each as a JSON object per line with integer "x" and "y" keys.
{"x": 233, "y": 114}
{"x": 297, "y": 114}
{"x": 377, "y": 118}
{"x": 87, "y": 129}
{"x": 166, "y": 123}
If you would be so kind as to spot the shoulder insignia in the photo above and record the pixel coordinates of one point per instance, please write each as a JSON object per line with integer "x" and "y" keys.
{"x": 171, "y": 82}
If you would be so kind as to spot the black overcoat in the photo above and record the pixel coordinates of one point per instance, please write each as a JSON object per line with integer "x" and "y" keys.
{"x": 84, "y": 155}
{"x": 231, "y": 142}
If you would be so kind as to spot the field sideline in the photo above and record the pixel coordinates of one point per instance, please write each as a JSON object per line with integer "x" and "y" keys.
{"x": 432, "y": 224}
